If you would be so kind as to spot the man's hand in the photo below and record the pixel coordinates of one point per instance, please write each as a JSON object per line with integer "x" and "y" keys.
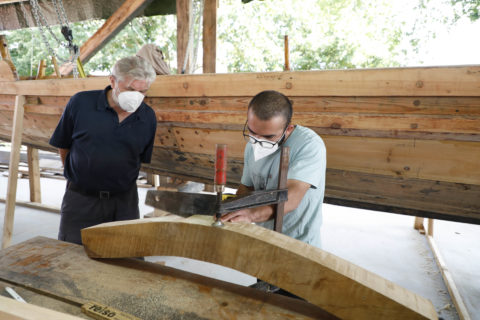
{"x": 244, "y": 215}
{"x": 63, "y": 154}
{"x": 296, "y": 191}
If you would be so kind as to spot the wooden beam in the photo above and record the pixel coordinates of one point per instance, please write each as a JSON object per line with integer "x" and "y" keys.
{"x": 34, "y": 174}
{"x": 112, "y": 26}
{"x": 55, "y": 267}
{"x": 16, "y": 310}
{"x": 184, "y": 12}
{"x": 42, "y": 67}
{"x": 436, "y": 81}
{"x": 209, "y": 36}
{"x": 13, "y": 171}
{"x": 448, "y": 279}
{"x": 418, "y": 225}
{"x": 4, "y": 52}
{"x": 6, "y": 72}
{"x": 35, "y": 205}
{"x": 337, "y": 286}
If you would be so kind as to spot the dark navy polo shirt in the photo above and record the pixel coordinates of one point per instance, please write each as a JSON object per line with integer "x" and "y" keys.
{"x": 105, "y": 155}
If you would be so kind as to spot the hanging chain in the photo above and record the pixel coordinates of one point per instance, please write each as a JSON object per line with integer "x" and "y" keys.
{"x": 66, "y": 31}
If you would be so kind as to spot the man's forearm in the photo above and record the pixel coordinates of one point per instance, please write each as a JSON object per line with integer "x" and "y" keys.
{"x": 63, "y": 154}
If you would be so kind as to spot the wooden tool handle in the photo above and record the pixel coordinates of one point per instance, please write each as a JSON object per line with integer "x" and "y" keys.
{"x": 220, "y": 164}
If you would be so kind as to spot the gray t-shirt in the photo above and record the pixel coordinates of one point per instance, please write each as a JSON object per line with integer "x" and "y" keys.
{"x": 307, "y": 163}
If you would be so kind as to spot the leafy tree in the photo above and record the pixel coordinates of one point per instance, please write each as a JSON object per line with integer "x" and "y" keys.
{"x": 469, "y": 8}
{"x": 324, "y": 34}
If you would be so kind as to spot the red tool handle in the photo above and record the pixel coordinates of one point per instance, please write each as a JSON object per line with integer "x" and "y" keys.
{"x": 220, "y": 164}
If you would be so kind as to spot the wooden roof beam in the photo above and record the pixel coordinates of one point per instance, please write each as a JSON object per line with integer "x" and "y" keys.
{"x": 127, "y": 11}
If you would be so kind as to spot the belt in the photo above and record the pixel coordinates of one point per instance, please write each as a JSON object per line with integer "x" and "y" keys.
{"x": 92, "y": 193}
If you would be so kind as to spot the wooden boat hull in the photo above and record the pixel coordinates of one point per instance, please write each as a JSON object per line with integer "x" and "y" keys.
{"x": 402, "y": 140}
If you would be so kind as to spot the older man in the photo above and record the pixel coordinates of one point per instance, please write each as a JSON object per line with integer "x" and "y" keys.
{"x": 103, "y": 137}
{"x": 267, "y": 129}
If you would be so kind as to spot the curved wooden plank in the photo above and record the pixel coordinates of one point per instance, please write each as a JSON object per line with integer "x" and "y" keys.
{"x": 337, "y": 286}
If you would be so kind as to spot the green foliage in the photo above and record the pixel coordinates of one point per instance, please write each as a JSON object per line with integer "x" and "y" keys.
{"x": 323, "y": 34}
{"x": 469, "y": 8}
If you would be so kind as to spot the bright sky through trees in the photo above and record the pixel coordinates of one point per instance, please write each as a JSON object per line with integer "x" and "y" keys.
{"x": 323, "y": 34}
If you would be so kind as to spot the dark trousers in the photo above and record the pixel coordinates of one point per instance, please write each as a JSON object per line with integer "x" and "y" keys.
{"x": 82, "y": 211}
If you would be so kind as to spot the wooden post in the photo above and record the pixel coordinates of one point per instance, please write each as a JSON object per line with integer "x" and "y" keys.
{"x": 153, "y": 179}
{"x": 287, "y": 58}
{"x": 34, "y": 175}
{"x": 42, "y": 66}
{"x": 13, "y": 171}
{"x": 430, "y": 227}
{"x": 56, "y": 68}
{"x": 183, "y": 25}
{"x": 418, "y": 225}
{"x": 209, "y": 36}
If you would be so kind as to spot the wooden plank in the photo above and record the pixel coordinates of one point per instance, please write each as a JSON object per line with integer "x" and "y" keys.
{"x": 448, "y": 279}
{"x": 35, "y": 205}
{"x": 341, "y": 288}
{"x": 146, "y": 290}
{"x": 112, "y": 26}
{"x": 438, "y": 81}
{"x": 13, "y": 171}
{"x": 203, "y": 141}
{"x": 341, "y": 122}
{"x": 14, "y": 310}
{"x": 183, "y": 26}
{"x": 209, "y": 36}
{"x": 391, "y": 157}
{"x": 406, "y": 158}
{"x": 449, "y": 200}
{"x": 449, "y": 106}
{"x": 34, "y": 175}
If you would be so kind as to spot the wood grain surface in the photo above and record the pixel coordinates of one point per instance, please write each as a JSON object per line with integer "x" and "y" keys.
{"x": 336, "y": 285}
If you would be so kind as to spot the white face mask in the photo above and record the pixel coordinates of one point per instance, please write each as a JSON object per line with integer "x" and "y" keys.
{"x": 130, "y": 100}
{"x": 260, "y": 152}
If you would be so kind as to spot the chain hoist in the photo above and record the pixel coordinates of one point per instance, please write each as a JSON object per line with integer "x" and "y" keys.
{"x": 66, "y": 31}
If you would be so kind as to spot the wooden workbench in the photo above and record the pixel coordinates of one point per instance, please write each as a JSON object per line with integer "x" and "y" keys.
{"x": 146, "y": 290}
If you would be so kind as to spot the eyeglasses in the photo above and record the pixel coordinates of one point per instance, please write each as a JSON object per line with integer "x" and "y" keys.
{"x": 263, "y": 143}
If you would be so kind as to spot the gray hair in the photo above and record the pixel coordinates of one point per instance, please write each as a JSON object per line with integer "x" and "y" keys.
{"x": 134, "y": 67}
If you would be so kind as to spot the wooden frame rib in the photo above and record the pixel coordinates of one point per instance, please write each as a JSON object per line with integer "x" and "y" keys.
{"x": 337, "y": 286}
